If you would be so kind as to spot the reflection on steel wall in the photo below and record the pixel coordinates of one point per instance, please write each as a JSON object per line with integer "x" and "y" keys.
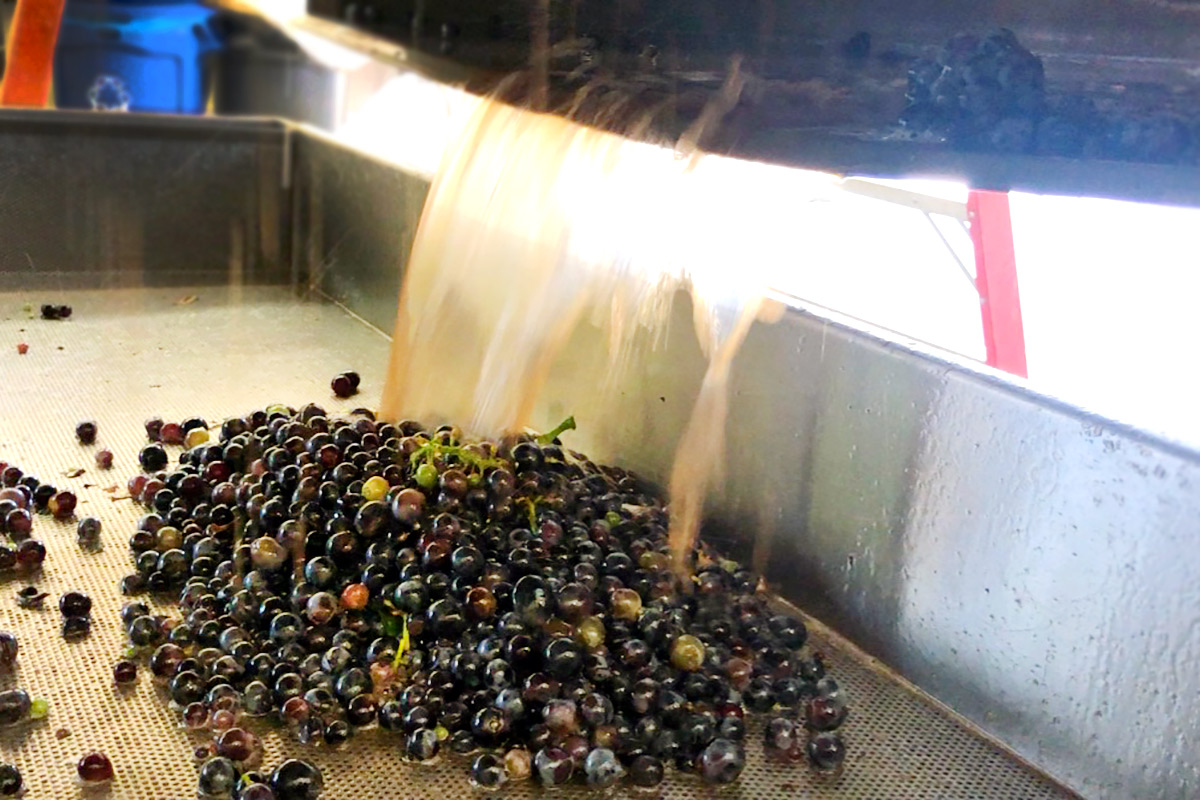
{"x": 1025, "y": 563}
{"x": 1029, "y": 565}
{"x": 784, "y": 29}
{"x": 354, "y": 226}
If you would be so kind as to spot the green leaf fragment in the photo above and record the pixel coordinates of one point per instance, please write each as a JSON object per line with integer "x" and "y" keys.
{"x": 405, "y": 645}
{"x": 39, "y": 708}
{"x": 530, "y": 506}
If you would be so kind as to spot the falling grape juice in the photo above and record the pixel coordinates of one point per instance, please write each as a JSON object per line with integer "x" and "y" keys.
{"x": 535, "y": 223}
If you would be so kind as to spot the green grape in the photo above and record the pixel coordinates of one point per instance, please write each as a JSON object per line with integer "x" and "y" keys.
{"x": 39, "y": 708}
{"x": 427, "y": 476}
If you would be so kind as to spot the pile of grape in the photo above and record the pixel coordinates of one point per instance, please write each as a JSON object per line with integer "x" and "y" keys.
{"x": 988, "y": 93}
{"x": 511, "y": 600}
{"x": 20, "y": 496}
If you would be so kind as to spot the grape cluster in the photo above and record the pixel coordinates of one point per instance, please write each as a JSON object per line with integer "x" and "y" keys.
{"x": 190, "y": 433}
{"x": 988, "y": 93}
{"x": 345, "y": 384}
{"x": 985, "y": 92}
{"x": 20, "y": 496}
{"x": 509, "y": 596}
{"x": 53, "y": 312}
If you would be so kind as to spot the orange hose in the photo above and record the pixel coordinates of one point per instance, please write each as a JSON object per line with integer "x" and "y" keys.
{"x": 30, "y": 69}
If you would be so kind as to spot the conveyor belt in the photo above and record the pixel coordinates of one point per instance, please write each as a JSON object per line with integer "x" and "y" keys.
{"x": 126, "y": 355}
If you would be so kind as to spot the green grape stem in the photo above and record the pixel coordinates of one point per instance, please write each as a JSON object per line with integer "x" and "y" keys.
{"x": 530, "y": 504}
{"x": 567, "y": 424}
{"x": 430, "y": 451}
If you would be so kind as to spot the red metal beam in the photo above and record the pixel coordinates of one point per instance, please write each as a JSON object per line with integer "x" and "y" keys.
{"x": 996, "y": 281}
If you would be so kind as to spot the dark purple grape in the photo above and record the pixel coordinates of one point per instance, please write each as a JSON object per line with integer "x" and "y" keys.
{"x": 490, "y": 725}
{"x": 152, "y": 458}
{"x": 553, "y": 765}
{"x": 563, "y": 657}
{"x": 218, "y": 777}
{"x": 780, "y": 735}
{"x": 86, "y": 432}
{"x": 87, "y": 533}
{"x": 31, "y": 554}
{"x": 732, "y": 728}
{"x": 94, "y": 768}
{"x": 825, "y": 713}
{"x": 826, "y": 751}
{"x": 759, "y": 695}
{"x": 342, "y": 385}
{"x": 646, "y": 771}
{"x": 422, "y": 744}
{"x": 256, "y": 791}
{"x": 239, "y": 745}
{"x": 596, "y": 709}
{"x": 15, "y": 706}
{"x": 561, "y": 716}
{"x": 124, "y": 673}
{"x": 297, "y": 780}
{"x": 76, "y": 629}
{"x": 487, "y": 771}
{"x": 18, "y": 522}
{"x": 11, "y": 782}
{"x": 721, "y": 761}
{"x": 75, "y": 604}
{"x": 602, "y": 768}
{"x": 8, "y": 651}
{"x": 463, "y": 742}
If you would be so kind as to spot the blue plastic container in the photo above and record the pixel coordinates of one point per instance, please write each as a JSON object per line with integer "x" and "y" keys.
{"x": 133, "y": 56}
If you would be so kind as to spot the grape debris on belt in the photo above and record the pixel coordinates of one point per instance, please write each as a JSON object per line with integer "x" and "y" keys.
{"x": 86, "y": 432}
{"x": 53, "y": 312}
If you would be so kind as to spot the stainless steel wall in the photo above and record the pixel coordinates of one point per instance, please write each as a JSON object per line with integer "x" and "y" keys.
{"x": 354, "y": 225}
{"x": 111, "y": 199}
{"x": 1030, "y": 565}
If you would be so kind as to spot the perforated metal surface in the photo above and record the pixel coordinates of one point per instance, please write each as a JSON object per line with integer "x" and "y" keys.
{"x": 129, "y": 354}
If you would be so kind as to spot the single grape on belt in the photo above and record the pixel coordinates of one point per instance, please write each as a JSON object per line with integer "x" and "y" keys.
{"x": 345, "y": 384}
{"x": 11, "y": 782}
{"x": 513, "y": 596}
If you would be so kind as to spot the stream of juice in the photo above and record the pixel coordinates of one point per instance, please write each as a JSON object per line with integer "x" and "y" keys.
{"x": 534, "y": 223}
